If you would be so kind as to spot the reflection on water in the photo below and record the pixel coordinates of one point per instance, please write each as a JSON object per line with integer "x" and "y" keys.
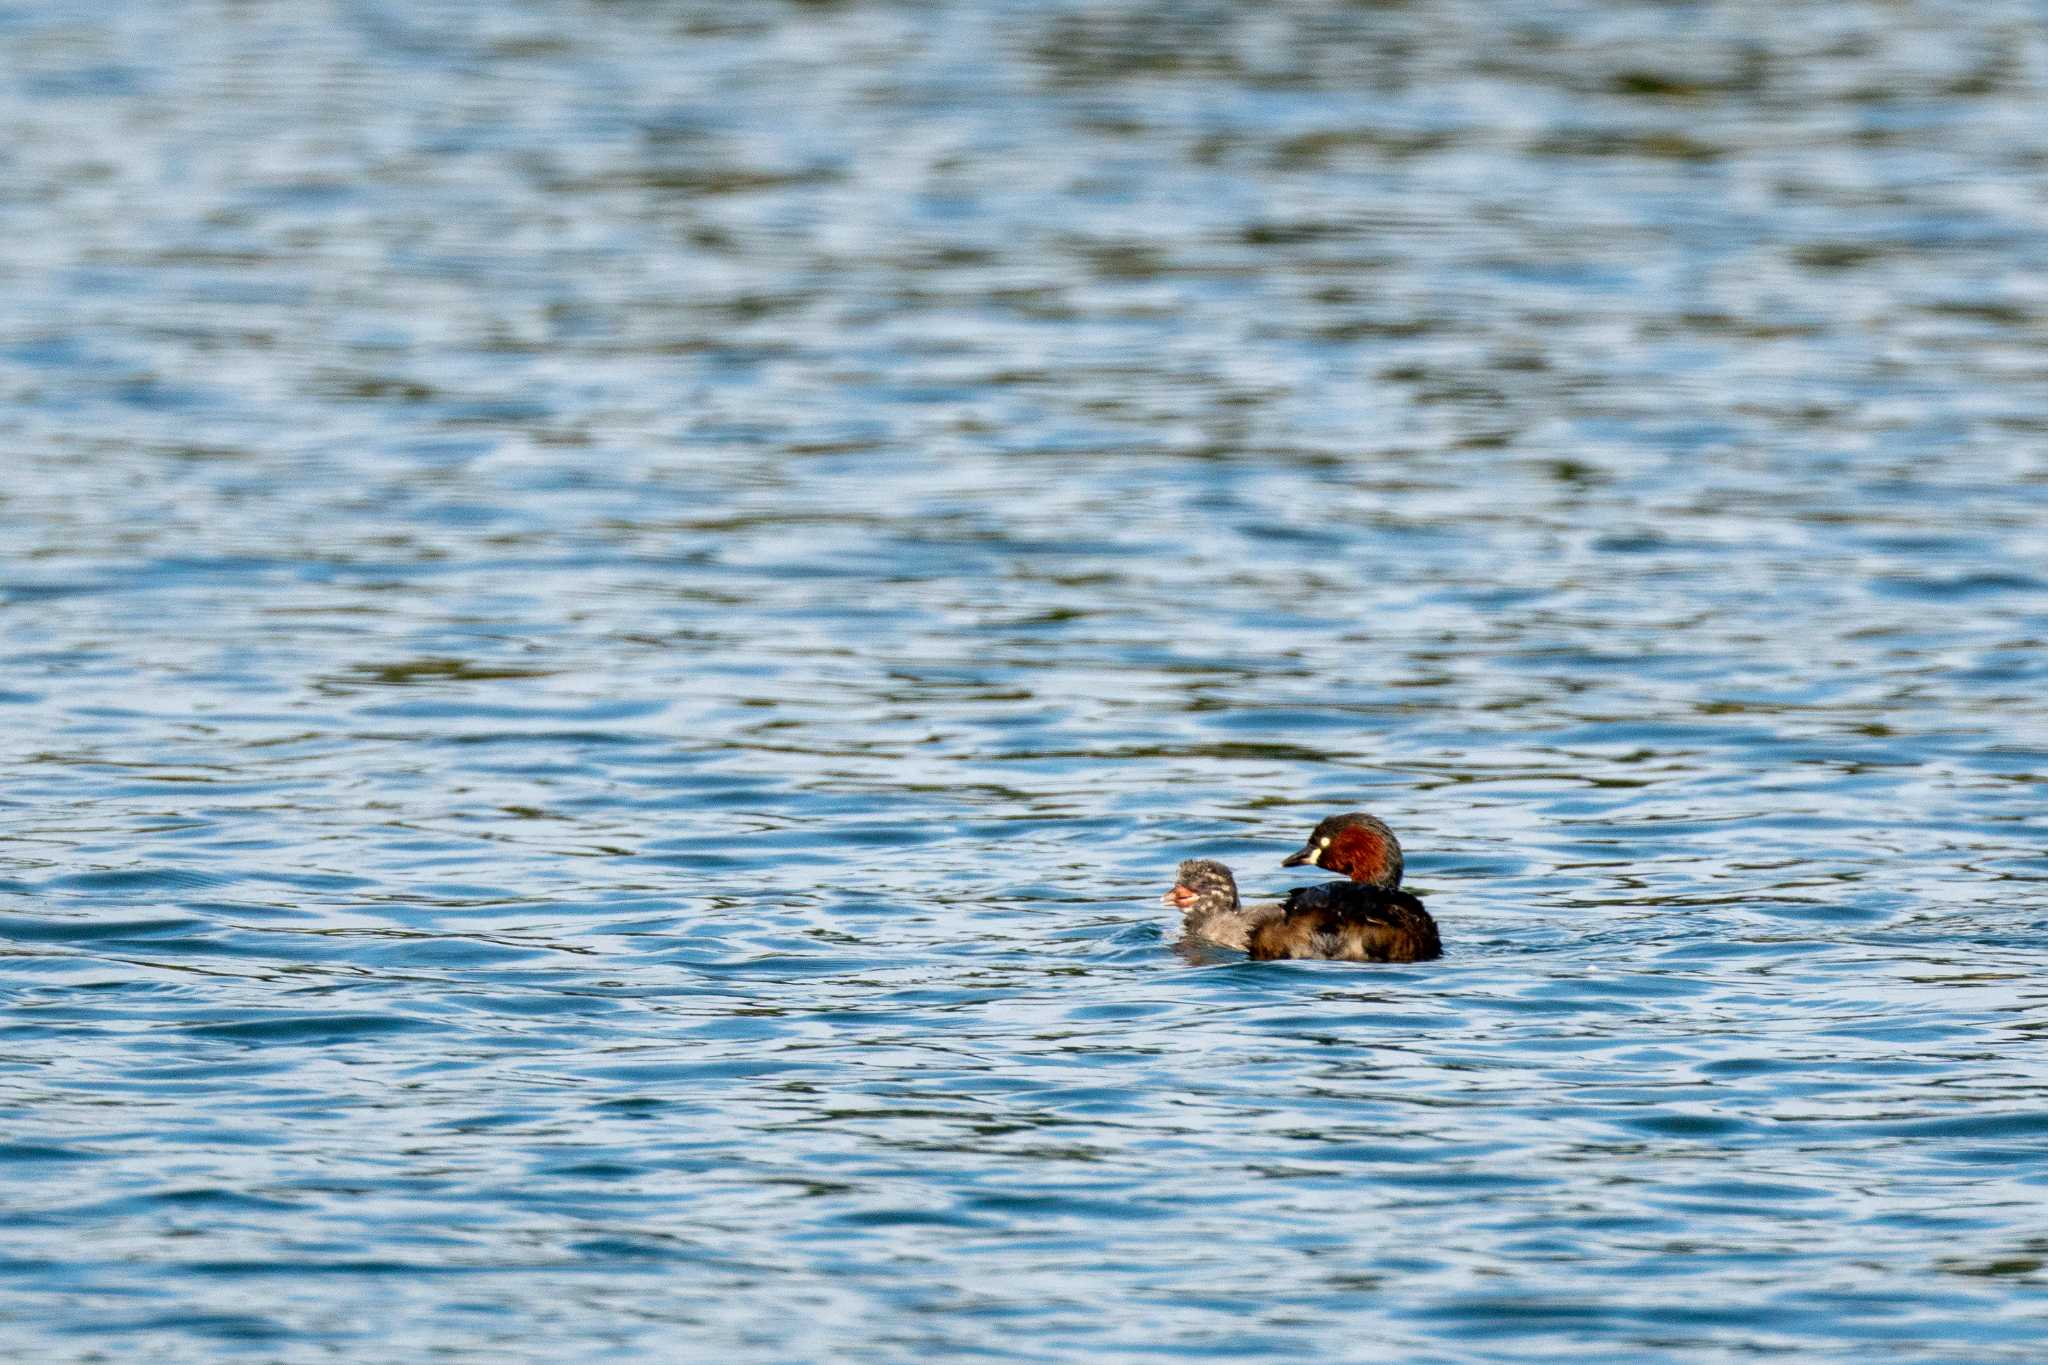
{"x": 616, "y": 614}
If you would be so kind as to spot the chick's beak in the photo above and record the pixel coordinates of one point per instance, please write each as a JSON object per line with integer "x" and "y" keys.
{"x": 1310, "y": 855}
{"x": 1180, "y": 898}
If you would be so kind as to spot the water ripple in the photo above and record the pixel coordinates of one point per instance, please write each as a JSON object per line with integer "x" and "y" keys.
{"x": 614, "y": 621}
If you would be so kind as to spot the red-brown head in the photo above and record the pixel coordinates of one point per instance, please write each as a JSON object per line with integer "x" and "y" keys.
{"x": 1357, "y": 846}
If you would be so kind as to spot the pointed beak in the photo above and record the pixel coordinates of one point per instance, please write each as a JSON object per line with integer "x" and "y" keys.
{"x": 1310, "y": 855}
{"x": 1180, "y": 898}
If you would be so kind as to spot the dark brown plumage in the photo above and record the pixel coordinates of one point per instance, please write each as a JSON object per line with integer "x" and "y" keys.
{"x": 1347, "y": 922}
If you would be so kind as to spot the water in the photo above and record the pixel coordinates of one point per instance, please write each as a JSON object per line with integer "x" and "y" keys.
{"x": 615, "y": 615}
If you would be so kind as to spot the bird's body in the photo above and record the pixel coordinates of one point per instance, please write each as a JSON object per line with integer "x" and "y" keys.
{"x": 1346, "y": 922}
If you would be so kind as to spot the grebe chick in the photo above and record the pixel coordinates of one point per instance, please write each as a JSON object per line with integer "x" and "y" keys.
{"x": 1206, "y": 895}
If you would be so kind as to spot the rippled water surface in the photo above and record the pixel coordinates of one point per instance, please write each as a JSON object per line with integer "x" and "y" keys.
{"x": 615, "y": 614}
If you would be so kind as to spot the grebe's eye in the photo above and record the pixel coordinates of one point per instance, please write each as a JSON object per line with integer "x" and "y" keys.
{"x": 1323, "y": 842}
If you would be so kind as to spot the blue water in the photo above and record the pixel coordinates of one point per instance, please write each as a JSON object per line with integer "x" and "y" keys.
{"x": 615, "y": 615}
